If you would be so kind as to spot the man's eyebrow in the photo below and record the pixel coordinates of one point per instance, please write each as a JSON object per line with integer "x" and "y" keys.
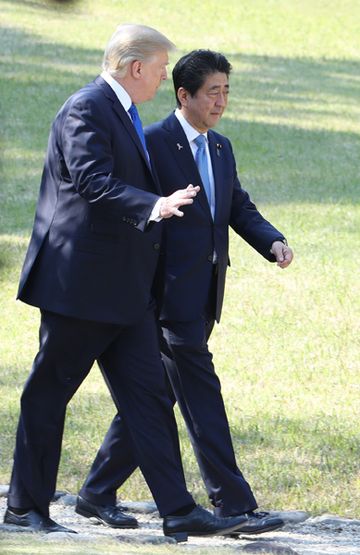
{"x": 217, "y": 87}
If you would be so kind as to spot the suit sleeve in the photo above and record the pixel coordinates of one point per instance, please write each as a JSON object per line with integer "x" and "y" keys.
{"x": 86, "y": 144}
{"x": 248, "y": 222}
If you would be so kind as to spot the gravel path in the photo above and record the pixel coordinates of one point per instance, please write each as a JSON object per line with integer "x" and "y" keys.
{"x": 302, "y": 535}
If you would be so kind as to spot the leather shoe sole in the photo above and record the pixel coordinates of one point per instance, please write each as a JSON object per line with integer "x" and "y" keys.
{"x": 35, "y": 522}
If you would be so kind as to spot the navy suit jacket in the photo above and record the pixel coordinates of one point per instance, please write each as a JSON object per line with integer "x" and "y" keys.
{"x": 190, "y": 241}
{"x": 92, "y": 254}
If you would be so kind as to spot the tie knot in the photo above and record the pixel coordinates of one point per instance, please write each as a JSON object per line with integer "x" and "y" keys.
{"x": 200, "y": 141}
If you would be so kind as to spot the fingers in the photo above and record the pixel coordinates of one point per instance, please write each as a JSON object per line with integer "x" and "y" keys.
{"x": 192, "y": 188}
{"x": 171, "y": 204}
{"x": 182, "y": 194}
{"x": 285, "y": 258}
{"x": 177, "y": 213}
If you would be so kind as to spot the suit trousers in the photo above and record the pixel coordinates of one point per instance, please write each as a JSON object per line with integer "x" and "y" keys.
{"x": 130, "y": 362}
{"x": 197, "y": 390}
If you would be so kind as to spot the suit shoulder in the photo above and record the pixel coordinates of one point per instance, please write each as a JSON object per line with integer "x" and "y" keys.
{"x": 221, "y": 139}
{"x": 89, "y": 97}
{"x": 88, "y": 93}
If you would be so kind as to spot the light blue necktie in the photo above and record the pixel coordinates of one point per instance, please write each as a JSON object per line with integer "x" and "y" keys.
{"x": 202, "y": 164}
{"x": 138, "y": 126}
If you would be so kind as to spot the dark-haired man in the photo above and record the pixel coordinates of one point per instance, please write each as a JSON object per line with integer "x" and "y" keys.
{"x": 195, "y": 261}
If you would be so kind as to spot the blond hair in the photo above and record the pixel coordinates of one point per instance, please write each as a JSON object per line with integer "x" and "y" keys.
{"x": 132, "y": 42}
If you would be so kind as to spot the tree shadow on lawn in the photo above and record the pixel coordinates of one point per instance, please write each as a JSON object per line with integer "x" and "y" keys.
{"x": 278, "y": 79}
{"x": 298, "y": 146}
{"x": 278, "y": 162}
{"x": 50, "y": 5}
{"x": 281, "y": 164}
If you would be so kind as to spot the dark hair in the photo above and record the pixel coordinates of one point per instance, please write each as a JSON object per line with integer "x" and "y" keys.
{"x": 191, "y": 71}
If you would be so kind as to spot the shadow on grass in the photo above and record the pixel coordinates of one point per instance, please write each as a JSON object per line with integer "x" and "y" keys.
{"x": 50, "y": 5}
{"x": 276, "y": 79}
{"x": 279, "y": 162}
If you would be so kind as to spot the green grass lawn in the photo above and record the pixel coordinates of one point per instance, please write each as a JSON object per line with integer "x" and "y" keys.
{"x": 32, "y": 545}
{"x": 287, "y": 349}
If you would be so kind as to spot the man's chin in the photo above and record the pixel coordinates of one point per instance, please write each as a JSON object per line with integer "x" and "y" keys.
{"x": 214, "y": 119}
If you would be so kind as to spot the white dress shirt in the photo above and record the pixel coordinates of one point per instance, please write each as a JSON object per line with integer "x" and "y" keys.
{"x": 191, "y": 134}
{"x": 121, "y": 93}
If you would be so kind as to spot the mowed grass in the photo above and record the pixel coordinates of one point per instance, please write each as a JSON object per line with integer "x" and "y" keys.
{"x": 32, "y": 544}
{"x": 287, "y": 349}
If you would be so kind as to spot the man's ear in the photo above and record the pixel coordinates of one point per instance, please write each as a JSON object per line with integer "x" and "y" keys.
{"x": 183, "y": 96}
{"x": 135, "y": 69}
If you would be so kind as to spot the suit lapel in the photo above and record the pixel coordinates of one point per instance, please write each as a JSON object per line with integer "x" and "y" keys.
{"x": 183, "y": 156}
{"x": 124, "y": 117}
{"x": 217, "y": 163}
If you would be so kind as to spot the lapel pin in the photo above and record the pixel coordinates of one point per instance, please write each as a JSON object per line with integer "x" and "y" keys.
{"x": 179, "y": 146}
{"x": 218, "y": 148}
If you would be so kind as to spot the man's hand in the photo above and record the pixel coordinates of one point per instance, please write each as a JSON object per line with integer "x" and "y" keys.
{"x": 282, "y": 253}
{"x": 170, "y": 205}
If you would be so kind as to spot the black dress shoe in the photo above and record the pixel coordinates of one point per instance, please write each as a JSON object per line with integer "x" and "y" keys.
{"x": 109, "y": 515}
{"x": 200, "y": 522}
{"x": 258, "y": 523}
{"x": 35, "y": 522}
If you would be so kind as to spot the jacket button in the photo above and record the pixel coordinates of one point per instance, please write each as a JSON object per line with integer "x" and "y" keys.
{"x": 210, "y": 258}
{"x": 156, "y": 246}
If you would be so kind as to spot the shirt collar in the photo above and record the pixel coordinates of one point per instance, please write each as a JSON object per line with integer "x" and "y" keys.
{"x": 190, "y": 132}
{"x": 118, "y": 89}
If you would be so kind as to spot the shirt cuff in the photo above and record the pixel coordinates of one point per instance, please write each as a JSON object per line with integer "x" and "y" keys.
{"x": 155, "y": 212}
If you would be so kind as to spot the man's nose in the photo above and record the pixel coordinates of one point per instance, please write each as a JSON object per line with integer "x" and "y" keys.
{"x": 221, "y": 99}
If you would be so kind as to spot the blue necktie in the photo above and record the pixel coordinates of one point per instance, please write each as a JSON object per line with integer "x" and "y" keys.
{"x": 138, "y": 126}
{"x": 202, "y": 164}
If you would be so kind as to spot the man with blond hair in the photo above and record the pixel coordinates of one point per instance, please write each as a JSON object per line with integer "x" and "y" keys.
{"x": 89, "y": 268}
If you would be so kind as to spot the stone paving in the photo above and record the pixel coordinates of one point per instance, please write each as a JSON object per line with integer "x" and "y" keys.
{"x": 302, "y": 534}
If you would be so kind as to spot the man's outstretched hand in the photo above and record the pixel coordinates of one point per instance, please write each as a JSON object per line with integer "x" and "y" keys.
{"x": 170, "y": 205}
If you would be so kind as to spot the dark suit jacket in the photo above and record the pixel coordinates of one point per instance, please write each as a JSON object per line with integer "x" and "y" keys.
{"x": 91, "y": 253}
{"x": 190, "y": 241}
